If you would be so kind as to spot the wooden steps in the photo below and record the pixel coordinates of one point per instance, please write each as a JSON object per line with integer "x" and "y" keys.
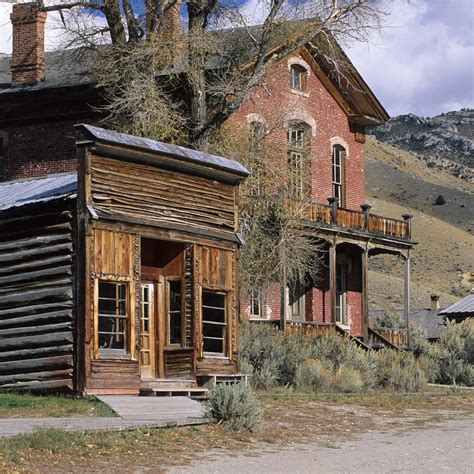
{"x": 211, "y": 380}
{"x": 191, "y": 392}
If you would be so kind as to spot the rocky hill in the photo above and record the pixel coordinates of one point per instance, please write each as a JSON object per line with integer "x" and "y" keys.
{"x": 398, "y": 181}
{"x": 445, "y": 141}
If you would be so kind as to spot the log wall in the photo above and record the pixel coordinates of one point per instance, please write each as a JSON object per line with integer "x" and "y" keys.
{"x": 37, "y": 300}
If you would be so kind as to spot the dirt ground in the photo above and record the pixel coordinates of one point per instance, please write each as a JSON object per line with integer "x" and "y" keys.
{"x": 300, "y": 433}
{"x": 444, "y": 447}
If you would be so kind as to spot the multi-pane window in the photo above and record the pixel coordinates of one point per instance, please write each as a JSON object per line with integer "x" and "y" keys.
{"x": 256, "y": 305}
{"x": 175, "y": 312}
{"x": 338, "y": 157}
{"x": 146, "y": 324}
{"x": 257, "y": 133}
{"x": 214, "y": 322}
{"x": 113, "y": 317}
{"x": 297, "y": 148}
{"x": 298, "y": 75}
{"x": 341, "y": 283}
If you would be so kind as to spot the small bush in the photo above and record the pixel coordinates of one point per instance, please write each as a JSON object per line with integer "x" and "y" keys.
{"x": 348, "y": 380}
{"x": 236, "y": 406}
{"x": 312, "y": 374}
{"x": 440, "y": 201}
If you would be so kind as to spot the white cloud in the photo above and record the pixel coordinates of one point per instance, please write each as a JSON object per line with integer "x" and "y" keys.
{"x": 422, "y": 62}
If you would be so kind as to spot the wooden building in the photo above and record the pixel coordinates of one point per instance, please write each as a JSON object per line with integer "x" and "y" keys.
{"x": 122, "y": 273}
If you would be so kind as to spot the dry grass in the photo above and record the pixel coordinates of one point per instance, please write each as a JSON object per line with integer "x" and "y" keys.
{"x": 290, "y": 417}
{"x": 15, "y": 405}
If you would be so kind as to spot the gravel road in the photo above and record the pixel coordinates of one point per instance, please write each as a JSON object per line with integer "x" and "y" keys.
{"x": 446, "y": 447}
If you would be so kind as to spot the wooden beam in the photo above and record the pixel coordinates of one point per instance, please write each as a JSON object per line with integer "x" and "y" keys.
{"x": 332, "y": 280}
{"x": 406, "y": 296}
{"x": 365, "y": 293}
{"x": 41, "y": 340}
{"x": 22, "y": 353}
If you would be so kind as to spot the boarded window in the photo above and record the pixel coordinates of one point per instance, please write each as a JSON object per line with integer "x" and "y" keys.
{"x": 214, "y": 323}
{"x": 113, "y": 318}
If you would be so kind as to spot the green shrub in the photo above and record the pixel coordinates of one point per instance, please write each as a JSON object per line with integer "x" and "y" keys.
{"x": 236, "y": 406}
{"x": 348, "y": 380}
{"x": 312, "y": 374}
{"x": 454, "y": 354}
{"x": 440, "y": 201}
{"x": 399, "y": 371}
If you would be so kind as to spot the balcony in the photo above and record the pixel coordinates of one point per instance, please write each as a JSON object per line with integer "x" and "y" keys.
{"x": 361, "y": 222}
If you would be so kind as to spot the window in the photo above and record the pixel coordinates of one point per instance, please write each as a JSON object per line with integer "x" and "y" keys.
{"x": 338, "y": 159}
{"x": 298, "y": 78}
{"x": 341, "y": 286}
{"x": 113, "y": 318}
{"x": 214, "y": 323}
{"x": 256, "y": 305}
{"x": 298, "y": 142}
{"x": 296, "y": 300}
{"x": 146, "y": 325}
{"x": 257, "y": 133}
{"x": 175, "y": 312}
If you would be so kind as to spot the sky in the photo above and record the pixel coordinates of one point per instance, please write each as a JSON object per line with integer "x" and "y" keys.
{"x": 422, "y": 62}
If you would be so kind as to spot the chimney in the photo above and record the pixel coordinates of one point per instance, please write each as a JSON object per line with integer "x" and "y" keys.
{"x": 434, "y": 303}
{"x": 171, "y": 30}
{"x": 27, "y": 62}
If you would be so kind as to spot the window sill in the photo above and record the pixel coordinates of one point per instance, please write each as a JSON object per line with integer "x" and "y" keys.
{"x": 300, "y": 93}
{"x": 213, "y": 356}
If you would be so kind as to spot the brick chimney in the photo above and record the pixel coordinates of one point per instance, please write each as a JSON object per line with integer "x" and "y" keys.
{"x": 170, "y": 30}
{"x": 434, "y": 303}
{"x": 27, "y": 62}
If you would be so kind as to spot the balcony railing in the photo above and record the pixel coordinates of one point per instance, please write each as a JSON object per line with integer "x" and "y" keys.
{"x": 362, "y": 221}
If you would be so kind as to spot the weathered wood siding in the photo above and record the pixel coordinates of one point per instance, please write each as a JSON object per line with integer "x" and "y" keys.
{"x": 37, "y": 300}
{"x": 114, "y": 257}
{"x": 163, "y": 197}
{"x": 217, "y": 270}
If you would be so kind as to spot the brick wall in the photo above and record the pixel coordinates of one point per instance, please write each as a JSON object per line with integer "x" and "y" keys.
{"x": 40, "y": 149}
{"x": 275, "y": 101}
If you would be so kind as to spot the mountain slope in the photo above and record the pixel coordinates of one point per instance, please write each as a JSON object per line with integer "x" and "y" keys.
{"x": 398, "y": 181}
{"x": 445, "y": 141}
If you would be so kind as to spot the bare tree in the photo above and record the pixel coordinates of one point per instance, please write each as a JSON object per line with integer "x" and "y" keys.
{"x": 218, "y": 69}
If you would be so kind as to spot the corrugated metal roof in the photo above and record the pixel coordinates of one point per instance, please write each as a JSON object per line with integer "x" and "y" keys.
{"x": 466, "y": 306}
{"x": 213, "y": 161}
{"x": 28, "y": 191}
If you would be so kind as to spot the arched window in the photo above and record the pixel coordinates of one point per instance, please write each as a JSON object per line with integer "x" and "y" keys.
{"x": 298, "y": 77}
{"x": 338, "y": 174}
{"x": 298, "y": 145}
{"x": 257, "y": 133}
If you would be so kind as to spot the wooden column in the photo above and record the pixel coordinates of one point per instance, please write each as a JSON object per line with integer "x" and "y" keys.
{"x": 406, "y": 295}
{"x": 283, "y": 300}
{"x": 365, "y": 293}
{"x": 332, "y": 280}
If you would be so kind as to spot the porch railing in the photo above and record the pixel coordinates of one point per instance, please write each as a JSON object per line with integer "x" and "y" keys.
{"x": 364, "y": 221}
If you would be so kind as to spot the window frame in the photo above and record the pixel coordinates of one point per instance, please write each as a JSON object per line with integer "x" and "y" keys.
{"x": 299, "y": 302}
{"x": 225, "y": 325}
{"x": 170, "y": 344}
{"x": 128, "y": 353}
{"x": 256, "y": 296}
{"x": 256, "y": 165}
{"x": 341, "y": 293}
{"x": 299, "y": 72}
{"x": 298, "y": 142}
{"x": 338, "y": 186}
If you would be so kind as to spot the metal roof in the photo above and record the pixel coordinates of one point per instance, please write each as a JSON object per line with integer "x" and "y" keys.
{"x": 34, "y": 190}
{"x": 185, "y": 154}
{"x": 464, "y": 306}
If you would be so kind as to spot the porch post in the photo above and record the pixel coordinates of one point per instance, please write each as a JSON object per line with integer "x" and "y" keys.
{"x": 332, "y": 280}
{"x": 365, "y": 293}
{"x": 407, "y": 295}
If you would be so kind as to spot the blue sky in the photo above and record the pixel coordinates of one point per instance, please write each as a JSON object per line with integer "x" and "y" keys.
{"x": 422, "y": 62}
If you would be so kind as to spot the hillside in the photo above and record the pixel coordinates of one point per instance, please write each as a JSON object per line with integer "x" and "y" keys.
{"x": 444, "y": 256}
{"x": 445, "y": 141}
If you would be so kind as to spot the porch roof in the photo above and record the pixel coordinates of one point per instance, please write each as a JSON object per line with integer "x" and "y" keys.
{"x": 35, "y": 190}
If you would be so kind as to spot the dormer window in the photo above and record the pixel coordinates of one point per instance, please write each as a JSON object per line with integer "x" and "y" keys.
{"x": 298, "y": 77}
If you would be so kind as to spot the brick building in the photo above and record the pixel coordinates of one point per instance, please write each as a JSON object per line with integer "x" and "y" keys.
{"x": 42, "y": 96}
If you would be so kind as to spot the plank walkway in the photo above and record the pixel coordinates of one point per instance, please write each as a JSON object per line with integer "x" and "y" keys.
{"x": 133, "y": 412}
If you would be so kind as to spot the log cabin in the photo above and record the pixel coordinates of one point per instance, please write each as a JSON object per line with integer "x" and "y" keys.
{"x": 121, "y": 276}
